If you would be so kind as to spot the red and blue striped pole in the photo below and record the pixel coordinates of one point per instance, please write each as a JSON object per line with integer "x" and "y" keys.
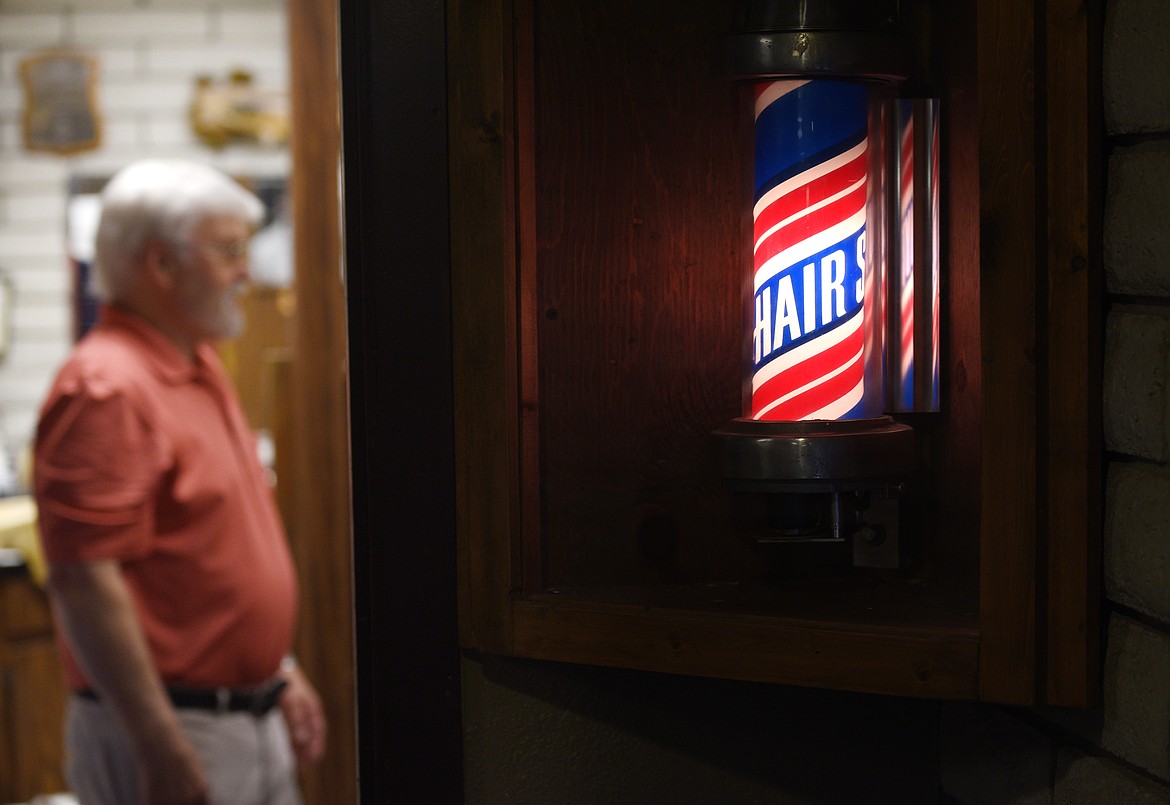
{"x": 809, "y": 252}
{"x": 813, "y": 437}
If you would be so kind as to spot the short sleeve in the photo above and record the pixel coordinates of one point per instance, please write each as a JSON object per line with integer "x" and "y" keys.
{"x": 97, "y": 468}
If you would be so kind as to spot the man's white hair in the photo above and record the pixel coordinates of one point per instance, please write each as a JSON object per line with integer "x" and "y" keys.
{"x": 159, "y": 200}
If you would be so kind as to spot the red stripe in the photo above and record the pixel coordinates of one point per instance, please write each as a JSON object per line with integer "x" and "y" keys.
{"x": 818, "y": 397}
{"x": 818, "y": 221}
{"x": 802, "y": 197}
{"x": 806, "y": 372}
{"x": 907, "y": 320}
{"x": 907, "y": 173}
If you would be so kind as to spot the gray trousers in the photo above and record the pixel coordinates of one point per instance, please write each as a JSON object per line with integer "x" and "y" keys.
{"x": 248, "y": 760}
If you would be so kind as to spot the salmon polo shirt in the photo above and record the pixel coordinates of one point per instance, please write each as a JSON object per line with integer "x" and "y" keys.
{"x": 145, "y": 457}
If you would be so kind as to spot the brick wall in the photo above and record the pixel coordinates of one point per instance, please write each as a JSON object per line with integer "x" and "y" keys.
{"x": 1120, "y": 752}
{"x": 149, "y": 53}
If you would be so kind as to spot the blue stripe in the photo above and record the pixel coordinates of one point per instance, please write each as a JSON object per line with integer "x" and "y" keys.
{"x": 807, "y": 126}
{"x": 810, "y": 336}
{"x": 763, "y": 185}
{"x": 817, "y": 328}
{"x": 857, "y": 411}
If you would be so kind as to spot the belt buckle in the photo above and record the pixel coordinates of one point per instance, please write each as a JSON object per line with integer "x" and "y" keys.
{"x": 223, "y": 700}
{"x": 258, "y": 701}
{"x": 265, "y": 698}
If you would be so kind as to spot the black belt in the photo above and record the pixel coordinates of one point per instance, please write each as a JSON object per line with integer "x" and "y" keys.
{"x": 257, "y": 701}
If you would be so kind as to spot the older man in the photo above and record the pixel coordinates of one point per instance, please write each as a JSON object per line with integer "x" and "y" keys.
{"x": 170, "y": 575}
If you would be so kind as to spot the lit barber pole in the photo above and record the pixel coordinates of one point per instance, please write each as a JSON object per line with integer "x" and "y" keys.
{"x": 809, "y": 247}
{"x": 813, "y": 437}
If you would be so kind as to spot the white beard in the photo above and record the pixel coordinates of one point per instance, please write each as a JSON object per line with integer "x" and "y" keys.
{"x": 216, "y": 314}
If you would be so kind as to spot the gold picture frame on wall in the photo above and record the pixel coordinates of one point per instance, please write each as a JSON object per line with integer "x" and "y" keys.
{"x": 60, "y": 102}
{"x": 236, "y": 110}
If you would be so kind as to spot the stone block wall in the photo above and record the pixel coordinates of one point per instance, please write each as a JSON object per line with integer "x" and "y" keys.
{"x": 1135, "y": 725}
{"x": 1119, "y": 753}
{"x": 149, "y": 53}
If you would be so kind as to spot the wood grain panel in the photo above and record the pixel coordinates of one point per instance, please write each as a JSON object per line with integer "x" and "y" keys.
{"x": 951, "y": 442}
{"x": 1073, "y": 329}
{"x": 320, "y": 526}
{"x": 483, "y": 269}
{"x": 524, "y": 103}
{"x": 32, "y": 693}
{"x": 762, "y": 650}
{"x": 35, "y": 714}
{"x": 25, "y": 609}
{"x": 639, "y": 274}
{"x": 268, "y": 326}
{"x": 1008, "y": 254}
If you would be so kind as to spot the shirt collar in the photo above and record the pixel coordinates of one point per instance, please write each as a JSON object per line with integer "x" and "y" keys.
{"x": 164, "y": 358}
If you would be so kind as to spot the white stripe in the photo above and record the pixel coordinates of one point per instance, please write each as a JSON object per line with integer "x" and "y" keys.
{"x": 812, "y": 174}
{"x": 810, "y": 246}
{"x": 841, "y": 407}
{"x": 776, "y": 91}
{"x": 807, "y": 210}
{"x": 847, "y": 365}
{"x": 806, "y": 351}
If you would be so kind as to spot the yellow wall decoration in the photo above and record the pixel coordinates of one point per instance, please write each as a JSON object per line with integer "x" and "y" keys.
{"x": 237, "y": 111}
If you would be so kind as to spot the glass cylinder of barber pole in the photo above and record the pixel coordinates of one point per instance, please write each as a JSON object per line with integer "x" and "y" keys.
{"x": 913, "y": 332}
{"x": 902, "y": 347}
{"x": 817, "y": 323}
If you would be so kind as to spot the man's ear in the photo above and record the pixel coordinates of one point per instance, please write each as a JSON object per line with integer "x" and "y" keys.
{"x": 159, "y": 262}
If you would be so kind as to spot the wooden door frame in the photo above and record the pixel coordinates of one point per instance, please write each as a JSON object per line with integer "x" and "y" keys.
{"x": 397, "y": 231}
{"x": 314, "y": 479}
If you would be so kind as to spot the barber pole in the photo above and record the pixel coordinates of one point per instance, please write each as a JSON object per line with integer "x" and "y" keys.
{"x": 813, "y": 438}
{"x": 809, "y": 247}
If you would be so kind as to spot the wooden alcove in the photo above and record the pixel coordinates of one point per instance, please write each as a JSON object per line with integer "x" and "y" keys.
{"x": 595, "y": 188}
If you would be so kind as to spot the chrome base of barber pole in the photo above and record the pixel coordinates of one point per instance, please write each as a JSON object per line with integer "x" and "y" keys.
{"x": 821, "y": 481}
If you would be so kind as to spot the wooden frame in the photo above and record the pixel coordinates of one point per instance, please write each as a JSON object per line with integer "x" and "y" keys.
{"x": 1020, "y": 439}
{"x": 398, "y": 314}
{"x": 313, "y": 433}
{"x": 60, "y": 110}
{"x": 33, "y": 698}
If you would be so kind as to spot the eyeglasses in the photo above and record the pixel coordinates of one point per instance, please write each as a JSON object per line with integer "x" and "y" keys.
{"x": 233, "y": 250}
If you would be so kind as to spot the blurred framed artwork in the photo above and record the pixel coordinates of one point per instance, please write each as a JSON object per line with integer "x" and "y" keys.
{"x": 60, "y": 104}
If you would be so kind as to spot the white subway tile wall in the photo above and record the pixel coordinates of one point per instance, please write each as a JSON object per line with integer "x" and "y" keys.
{"x": 32, "y": 29}
{"x": 127, "y": 28}
{"x": 149, "y": 54}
